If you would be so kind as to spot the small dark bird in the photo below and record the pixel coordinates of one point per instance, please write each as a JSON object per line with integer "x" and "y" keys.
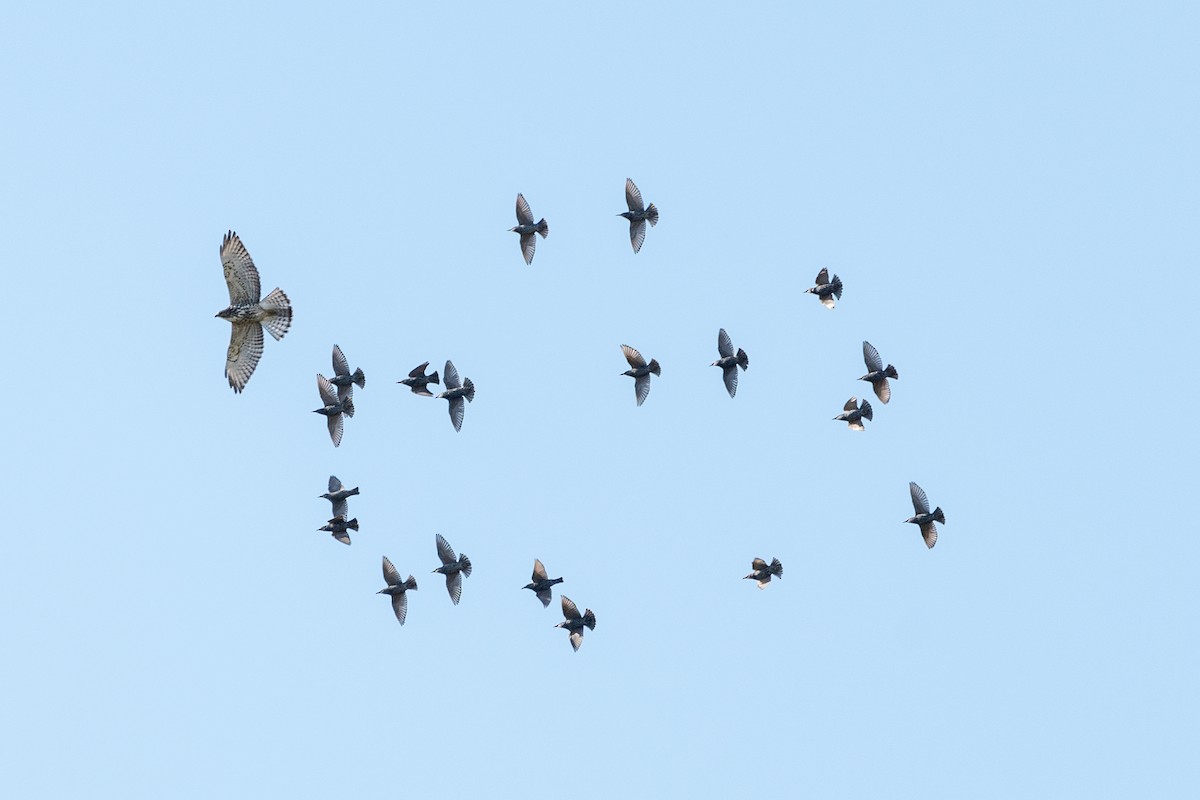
{"x": 640, "y": 373}
{"x": 417, "y": 380}
{"x": 398, "y": 589}
{"x": 456, "y": 390}
{"x": 854, "y": 414}
{"x": 826, "y": 290}
{"x": 763, "y": 571}
{"x": 924, "y": 517}
{"x": 333, "y": 408}
{"x": 638, "y": 215}
{"x": 728, "y": 362}
{"x": 339, "y": 527}
{"x": 247, "y": 313}
{"x": 337, "y": 495}
{"x": 453, "y": 568}
{"x": 527, "y": 228}
{"x": 575, "y": 621}
{"x": 541, "y": 583}
{"x": 877, "y": 374}
{"x": 342, "y": 378}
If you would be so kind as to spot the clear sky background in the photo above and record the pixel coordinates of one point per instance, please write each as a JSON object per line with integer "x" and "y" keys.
{"x": 1009, "y": 193}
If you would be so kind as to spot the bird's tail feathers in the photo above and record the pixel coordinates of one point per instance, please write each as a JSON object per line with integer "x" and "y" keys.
{"x": 360, "y": 380}
{"x": 434, "y": 378}
{"x": 555, "y": 580}
{"x": 543, "y": 228}
{"x": 743, "y": 360}
{"x": 353, "y": 524}
{"x": 278, "y": 323}
{"x": 411, "y": 583}
{"x": 348, "y": 406}
{"x": 837, "y": 287}
{"x": 353, "y": 492}
{"x": 776, "y": 568}
{"x": 466, "y": 565}
{"x": 652, "y": 215}
{"x": 468, "y": 389}
{"x": 589, "y": 619}
{"x": 654, "y": 367}
{"x": 938, "y": 515}
{"x": 866, "y": 411}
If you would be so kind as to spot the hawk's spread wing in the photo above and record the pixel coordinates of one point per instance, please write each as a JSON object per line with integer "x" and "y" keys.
{"x": 245, "y": 349}
{"x": 240, "y": 274}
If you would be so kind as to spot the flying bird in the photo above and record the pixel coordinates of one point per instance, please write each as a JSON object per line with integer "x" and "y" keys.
{"x": 456, "y": 390}
{"x": 763, "y": 571}
{"x": 854, "y": 414}
{"x": 333, "y": 408}
{"x": 453, "y": 568}
{"x": 247, "y": 313}
{"x": 342, "y": 378}
{"x": 541, "y": 583}
{"x": 526, "y": 227}
{"x": 924, "y": 518}
{"x": 575, "y": 622}
{"x": 640, "y": 373}
{"x": 398, "y": 589}
{"x": 337, "y": 495}
{"x": 877, "y": 374}
{"x": 826, "y": 290}
{"x": 339, "y": 528}
{"x": 417, "y": 380}
{"x": 728, "y": 362}
{"x": 638, "y": 215}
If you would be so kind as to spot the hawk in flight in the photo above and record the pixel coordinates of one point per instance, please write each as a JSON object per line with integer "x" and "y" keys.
{"x": 248, "y": 313}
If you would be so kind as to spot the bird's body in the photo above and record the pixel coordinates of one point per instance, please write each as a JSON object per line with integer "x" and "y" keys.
{"x": 527, "y": 229}
{"x": 730, "y": 361}
{"x": 457, "y": 390}
{"x": 338, "y": 495}
{"x": 541, "y": 583}
{"x": 418, "y": 381}
{"x": 638, "y": 215}
{"x": 640, "y": 372}
{"x": 397, "y": 589}
{"x": 826, "y": 289}
{"x": 877, "y": 374}
{"x": 924, "y": 518}
{"x": 854, "y": 413}
{"x": 342, "y": 379}
{"x": 339, "y": 528}
{"x": 247, "y": 313}
{"x": 763, "y": 571}
{"x": 574, "y": 622}
{"x": 453, "y": 568}
{"x": 333, "y": 409}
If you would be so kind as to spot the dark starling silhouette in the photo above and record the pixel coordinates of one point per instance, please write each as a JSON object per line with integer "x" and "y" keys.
{"x": 417, "y": 380}
{"x": 247, "y": 313}
{"x": 453, "y": 568}
{"x": 337, "y": 495}
{"x": 526, "y": 227}
{"x": 763, "y": 571}
{"x": 456, "y": 390}
{"x": 638, "y": 215}
{"x": 729, "y": 362}
{"x": 334, "y": 409}
{"x": 342, "y": 378}
{"x": 924, "y": 517}
{"x": 398, "y": 589}
{"x": 541, "y": 583}
{"x": 575, "y": 621}
{"x": 877, "y": 374}
{"x": 640, "y": 373}
{"x": 826, "y": 289}
{"x": 339, "y": 527}
{"x": 854, "y": 414}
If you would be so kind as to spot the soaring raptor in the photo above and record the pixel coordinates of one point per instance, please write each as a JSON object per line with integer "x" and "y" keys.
{"x": 247, "y": 313}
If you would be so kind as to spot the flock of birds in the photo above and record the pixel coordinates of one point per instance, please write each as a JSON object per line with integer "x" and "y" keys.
{"x": 249, "y": 314}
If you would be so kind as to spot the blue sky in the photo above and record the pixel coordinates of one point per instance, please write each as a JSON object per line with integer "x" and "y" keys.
{"x": 1009, "y": 195}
